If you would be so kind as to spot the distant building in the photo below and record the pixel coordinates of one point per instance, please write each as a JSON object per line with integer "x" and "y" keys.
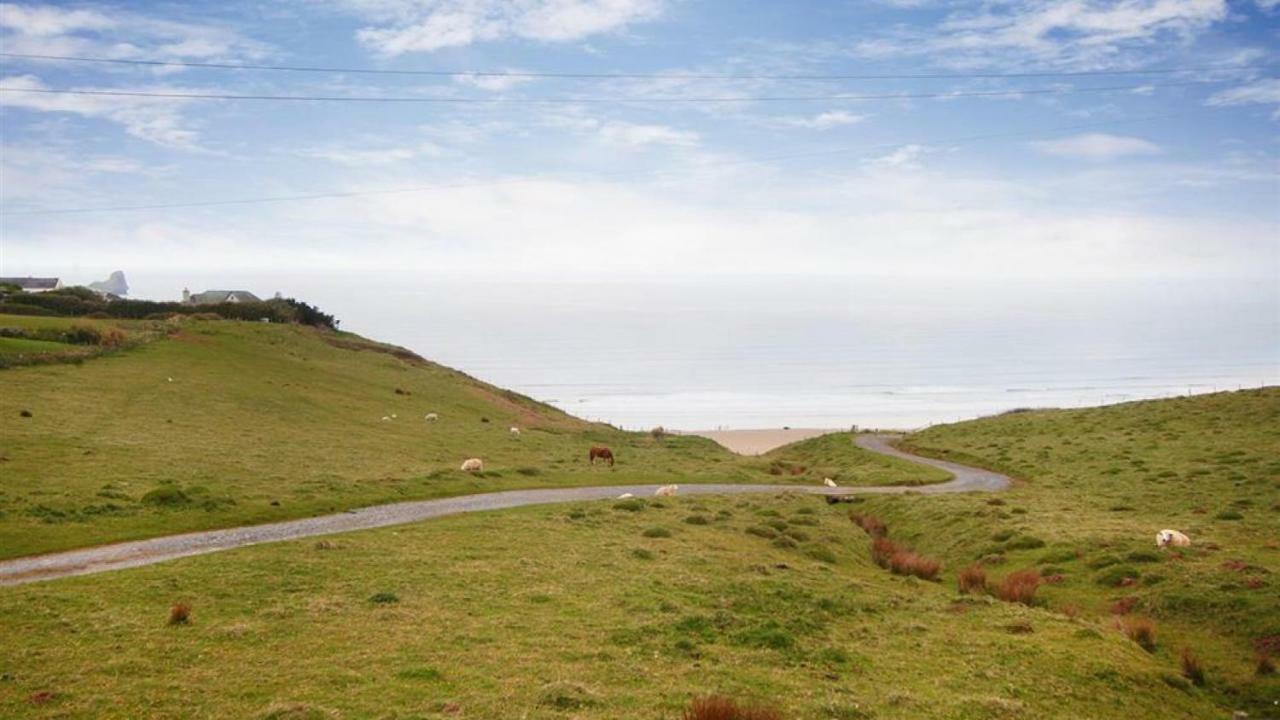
{"x": 211, "y": 297}
{"x": 33, "y": 284}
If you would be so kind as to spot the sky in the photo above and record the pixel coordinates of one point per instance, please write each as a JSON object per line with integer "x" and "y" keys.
{"x": 1051, "y": 142}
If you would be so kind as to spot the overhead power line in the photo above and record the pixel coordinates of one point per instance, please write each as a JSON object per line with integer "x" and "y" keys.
{"x": 269, "y": 199}
{"x": 532, "y": 74}
{"x": 661, "y": 99}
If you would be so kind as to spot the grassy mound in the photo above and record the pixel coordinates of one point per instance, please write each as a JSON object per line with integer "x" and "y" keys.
{"x": 198, "y": 424}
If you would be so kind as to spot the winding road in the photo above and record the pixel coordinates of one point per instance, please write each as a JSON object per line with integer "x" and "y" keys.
{"x": 144, "y": 552}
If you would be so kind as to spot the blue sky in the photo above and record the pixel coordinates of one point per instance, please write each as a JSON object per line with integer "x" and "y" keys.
{"x": 1173, "y": 175}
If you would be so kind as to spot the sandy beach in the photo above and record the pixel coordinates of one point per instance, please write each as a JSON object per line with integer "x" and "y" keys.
{"x": 756, "y": 442}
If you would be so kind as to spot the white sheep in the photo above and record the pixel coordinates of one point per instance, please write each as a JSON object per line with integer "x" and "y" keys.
{"x": 625, "y": 496}
{"x": 386, "y": 419}
{"x": 431, "y": 417}
{"x": 1167, "y": 538}
{"x": 666, "y": 491}
{"x": 472, "y": 465}
{"x": 829, "y": 482}
{"x": 393, "y": 416}
{"x": 515, "y": 431}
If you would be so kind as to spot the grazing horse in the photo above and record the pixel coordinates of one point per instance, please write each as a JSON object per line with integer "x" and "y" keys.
{"x": 602, "y": 453}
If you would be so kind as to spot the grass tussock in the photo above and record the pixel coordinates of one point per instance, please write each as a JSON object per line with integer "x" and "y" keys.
{"x": 180, "y": 614}
{"x": 973, "y": 580}
{"x": 719, "y": 707}
{"x": 1140, "y": 630}
{"x": 882, "y": 551}
{"x": 1265, "y": 666}
{"x": 1019, "y": 587}
{"x": 871, "y": 525}
{"x": 1191, "y": 667}
{"x": 905, "y": 562}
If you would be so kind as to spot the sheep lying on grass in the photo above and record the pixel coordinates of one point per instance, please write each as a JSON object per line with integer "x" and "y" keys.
{"x": 1172, "y": 538}
{"x": 472, "y": 465}
{"x": 666, "y": 491}
{"x": 625, "y": 496}
{"x": 431, "y": 417}
{"x": 515, "y": 431}
{"x": 829, "y": 482}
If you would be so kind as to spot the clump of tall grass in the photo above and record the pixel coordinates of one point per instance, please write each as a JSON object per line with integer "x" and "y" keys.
{"x": 871, "y": 525}
{"x": 973, "y": 580}
{"x": 882, "y": 549}
{"x": 1140, "y": 630}
{"x": 1019, "y": 587}
{"x": 1191, "y": 668}
{"x": 180, "y": 614}
{"x": 718, "y": 707}
{"x": 905, "y": 562}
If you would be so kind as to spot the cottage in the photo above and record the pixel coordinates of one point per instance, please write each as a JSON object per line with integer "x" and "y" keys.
{"x": 33, "y": 284}
{"x": 213, "y": 297}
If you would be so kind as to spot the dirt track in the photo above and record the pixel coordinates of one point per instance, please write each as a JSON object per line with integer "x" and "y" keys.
{"x": 145, "y": 552}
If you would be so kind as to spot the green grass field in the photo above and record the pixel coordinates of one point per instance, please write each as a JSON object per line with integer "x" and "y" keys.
{"x": 611, "y": 610}
{"x": 565, "y": 612}
{"x": 219, "y": 423}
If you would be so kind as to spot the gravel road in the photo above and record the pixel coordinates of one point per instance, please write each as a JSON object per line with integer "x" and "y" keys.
{"x": 145, "y": 552}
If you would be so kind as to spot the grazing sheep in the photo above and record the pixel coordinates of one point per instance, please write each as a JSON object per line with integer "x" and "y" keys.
{"x": 666, "y": 491}
{"x": 472, "y": 465}
{"x": 1172, "y": 538}
{"x": 625, "y": 496}
{"x": 829, "y": 482}
{"x": 515, "y": 431}
{"x": 431, "y": 417}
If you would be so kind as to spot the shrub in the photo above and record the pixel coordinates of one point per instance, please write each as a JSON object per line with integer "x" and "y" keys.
{"x": 1019, "y": 586}
{"x": 821, "y": 554}
{"x": 1191, "y": 667}
{"x": 872, "y": 526}
{"x": 718, "y": 707}
{"x": 658, "y": 433}
{"x": 697, "y": 520}
{"x": 882, "y": 549}
{"x": 384, "y": 598}
{"x": 1141, "y": 631}
{"x": 1026, "y": 542}
{"x": 656, "y": 532}
{"x": 761, "y": 531}
{"x": 914, "y": 564}
{"x": 1124, "y": 606}
{"x": 630, "y": 505}
{"x": 180, "y": 614}
{"x": 973, "y": 579}
{"x": 1228, "y": 515}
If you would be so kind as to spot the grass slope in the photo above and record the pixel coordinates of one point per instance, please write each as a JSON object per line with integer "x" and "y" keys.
{"x": 221, "y": 423}
{"x": 1097, "y": 486}
{"x": 595, "y": 610}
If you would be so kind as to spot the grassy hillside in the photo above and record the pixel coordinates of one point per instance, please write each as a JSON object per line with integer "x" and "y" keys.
{"x": 198, "y": 424}
{"x": 580, "y": 611}
{"x": 1097, "y": 486}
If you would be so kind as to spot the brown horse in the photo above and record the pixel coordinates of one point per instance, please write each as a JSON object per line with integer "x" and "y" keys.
{"x": 602, "y": 453}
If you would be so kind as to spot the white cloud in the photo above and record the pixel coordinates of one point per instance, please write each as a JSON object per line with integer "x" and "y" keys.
{"x": 1084, "y": 32}
{"x": 364, "y": 157}
{"x": 1096, "y": 146}
{"x": 907, "y": 157}
{"x": 1261, "y": 92}
{"x": 824, "y": 121}
{"x": 617, "y": 132}
{"x": 495, "y": 83}
{"x": 157, "y": 120}
{"x": 405, "y": 26}
{"x": 46, "y": 29}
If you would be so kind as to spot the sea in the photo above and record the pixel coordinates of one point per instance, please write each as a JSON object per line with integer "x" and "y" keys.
{"x": 697, "y": 353}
